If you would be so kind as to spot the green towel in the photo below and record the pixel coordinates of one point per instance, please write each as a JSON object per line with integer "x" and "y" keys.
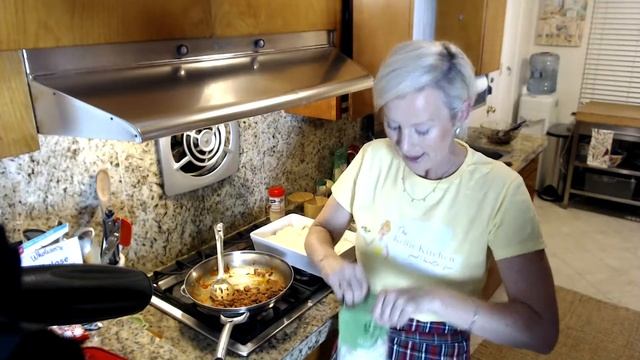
{"x": 359, "y": 335}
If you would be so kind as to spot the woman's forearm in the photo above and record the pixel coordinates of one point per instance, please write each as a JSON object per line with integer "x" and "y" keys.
{"x": 325, "y": 231}
{"x": 513, "y": 323}
{"x": 319, "y": 245}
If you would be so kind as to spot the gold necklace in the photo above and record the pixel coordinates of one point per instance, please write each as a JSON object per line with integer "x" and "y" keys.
{"x": 406, "y": 191}
{"x": 404, "y": 187}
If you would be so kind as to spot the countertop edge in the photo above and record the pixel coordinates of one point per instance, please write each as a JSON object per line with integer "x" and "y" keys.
{"x": 520, "y": 152}
{"x": 154, "y": 334}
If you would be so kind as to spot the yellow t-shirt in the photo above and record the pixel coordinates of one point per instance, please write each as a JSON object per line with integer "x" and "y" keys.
{"x": 418, "y": 232}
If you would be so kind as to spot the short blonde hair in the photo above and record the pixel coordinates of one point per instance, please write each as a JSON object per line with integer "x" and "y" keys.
{"x": 414, "y": 65}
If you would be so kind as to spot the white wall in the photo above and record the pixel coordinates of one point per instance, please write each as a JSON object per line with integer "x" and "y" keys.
{"x": 572, "y": 61}
{"x": 517, "y": 46}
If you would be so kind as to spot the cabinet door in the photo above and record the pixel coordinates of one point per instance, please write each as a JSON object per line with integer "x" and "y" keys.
{"x": 378, "y": 26}
{"x": 327, "y": 109}
{"x": 461, "y": 22}
{"x": 53, "y": 23}
{"x": 17, "y": 127}
{"x": 248, "y": 17}
{"x": 476, "y": 26}
{"x": 529, "y": 175}
{"x": 492, "y": 36}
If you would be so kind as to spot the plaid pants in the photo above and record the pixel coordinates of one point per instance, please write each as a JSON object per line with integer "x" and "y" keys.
{"x": 428, "y": 341}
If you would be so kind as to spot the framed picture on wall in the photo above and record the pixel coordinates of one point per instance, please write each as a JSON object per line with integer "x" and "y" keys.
{"x": 561, "y": 22}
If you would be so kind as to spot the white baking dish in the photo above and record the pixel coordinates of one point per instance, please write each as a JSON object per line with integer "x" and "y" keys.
{"x": 291, "y": 248}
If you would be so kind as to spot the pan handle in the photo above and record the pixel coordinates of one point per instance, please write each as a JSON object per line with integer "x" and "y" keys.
{"x": 228, "y": 323}
{"x": 183, "y": 291}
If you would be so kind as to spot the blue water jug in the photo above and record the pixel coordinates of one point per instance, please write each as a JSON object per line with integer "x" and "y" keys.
{"x": 544, "y": 73}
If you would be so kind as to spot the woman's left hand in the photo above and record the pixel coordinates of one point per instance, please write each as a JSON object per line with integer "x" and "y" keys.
{"x": 394, "y": 308}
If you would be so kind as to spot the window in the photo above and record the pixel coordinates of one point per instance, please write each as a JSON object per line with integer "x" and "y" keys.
{"x": 612, "y": 67}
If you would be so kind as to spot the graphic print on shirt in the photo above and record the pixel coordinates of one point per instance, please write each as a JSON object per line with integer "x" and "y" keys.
{"x": 422, "y": 245}
{"x": 376, "y": 242}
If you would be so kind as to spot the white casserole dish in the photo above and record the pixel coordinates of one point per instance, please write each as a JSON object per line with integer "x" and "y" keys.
{"x": 289, "y": 244}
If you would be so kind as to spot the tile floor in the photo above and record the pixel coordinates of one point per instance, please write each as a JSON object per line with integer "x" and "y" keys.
{"x": 591, "y": 253}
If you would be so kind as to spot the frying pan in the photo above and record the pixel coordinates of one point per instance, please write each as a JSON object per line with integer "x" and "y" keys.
{"x": 231, "y": 316}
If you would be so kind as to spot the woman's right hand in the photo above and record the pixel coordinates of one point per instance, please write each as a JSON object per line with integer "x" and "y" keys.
{"x": 347, "y": 279}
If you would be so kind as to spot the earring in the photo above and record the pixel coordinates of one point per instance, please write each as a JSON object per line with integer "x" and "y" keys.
{"x": 457, "y": 131}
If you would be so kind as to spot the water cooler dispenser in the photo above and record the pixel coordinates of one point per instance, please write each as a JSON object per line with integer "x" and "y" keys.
{"x": 539, "y": 106}
{"x": 540, "y": 111}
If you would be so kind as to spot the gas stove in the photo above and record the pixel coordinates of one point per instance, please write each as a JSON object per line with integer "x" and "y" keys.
{"x": 306, "y": 290}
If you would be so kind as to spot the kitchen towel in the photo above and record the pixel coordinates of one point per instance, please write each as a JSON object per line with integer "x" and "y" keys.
{"x": 359, "y": 335}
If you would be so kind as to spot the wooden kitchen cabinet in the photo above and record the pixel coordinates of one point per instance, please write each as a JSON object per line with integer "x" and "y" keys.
{"x": 476, "y": 26}
{"x": 327, "y": 109}
{"x": 529, "y": 174}
{"x": 54, "y": 23}
{"x": 26, "y": 24}
{"x": 17, "y": 125}
{"x": 378, "y": 26}
{"x": 247, "y": 17}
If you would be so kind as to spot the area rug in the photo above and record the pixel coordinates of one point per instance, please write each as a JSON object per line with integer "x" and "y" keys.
{"x": 590, "y": 329}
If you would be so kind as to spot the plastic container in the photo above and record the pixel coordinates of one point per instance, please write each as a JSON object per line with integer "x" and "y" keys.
{"x": 276, "y": 202}
{"x": 614, "y": 186}
{"x": 291, "y": 248}
{"x": 96, "y": 353}
{"x": 543, "y": 73}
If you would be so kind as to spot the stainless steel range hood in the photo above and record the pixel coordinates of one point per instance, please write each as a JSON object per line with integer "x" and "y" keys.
{"x": 144, "y": 91}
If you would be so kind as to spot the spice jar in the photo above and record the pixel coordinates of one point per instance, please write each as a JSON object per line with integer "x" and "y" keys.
{"x": 276, "y": 202}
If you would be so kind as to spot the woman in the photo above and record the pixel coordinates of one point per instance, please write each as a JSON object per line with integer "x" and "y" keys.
{"x": 427, "y": 210}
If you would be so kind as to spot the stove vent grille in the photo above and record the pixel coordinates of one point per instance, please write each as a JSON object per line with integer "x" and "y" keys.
{"x": 198, "y": 158}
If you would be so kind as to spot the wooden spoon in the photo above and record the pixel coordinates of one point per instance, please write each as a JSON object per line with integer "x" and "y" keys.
{"x": 103, "y": 189}
{"x": 221, "y": 289}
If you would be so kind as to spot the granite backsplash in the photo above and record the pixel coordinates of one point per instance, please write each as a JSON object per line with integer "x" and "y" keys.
{"x": 57, "y": 183}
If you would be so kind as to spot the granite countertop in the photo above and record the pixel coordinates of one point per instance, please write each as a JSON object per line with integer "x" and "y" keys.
{"x": 519, "y": 152}
{"x": 152, "y": 334}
